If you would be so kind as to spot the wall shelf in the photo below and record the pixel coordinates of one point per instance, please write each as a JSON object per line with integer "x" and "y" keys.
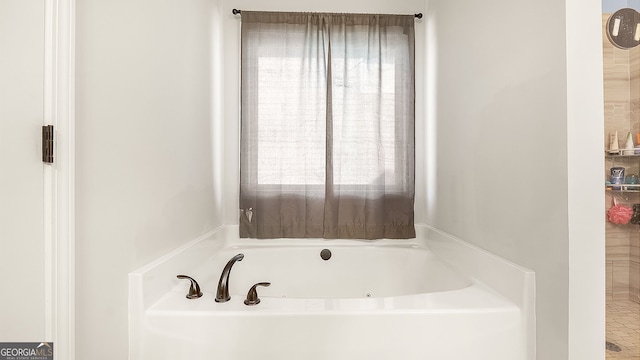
{"x": 631, "y": 162}
{"x": 616, "y": 156}
{"x": 623, "y": 190}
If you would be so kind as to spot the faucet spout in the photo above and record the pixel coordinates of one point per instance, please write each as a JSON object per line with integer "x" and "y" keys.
{"x": 222, "y": 294}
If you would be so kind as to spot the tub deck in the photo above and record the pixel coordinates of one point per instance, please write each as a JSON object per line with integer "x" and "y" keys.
{"x": 472, "y": 320}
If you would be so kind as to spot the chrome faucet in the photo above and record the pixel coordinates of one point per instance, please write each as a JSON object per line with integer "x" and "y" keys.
{"x": 222, "y": 294}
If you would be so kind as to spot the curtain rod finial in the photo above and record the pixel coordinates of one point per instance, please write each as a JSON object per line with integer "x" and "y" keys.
{"x": 418, "y": 15}
{"x": 236, "y": 12}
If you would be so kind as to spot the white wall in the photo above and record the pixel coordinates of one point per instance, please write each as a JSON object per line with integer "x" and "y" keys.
{"x": 585, "y": 124}
{"x": 145, "y": 159}
{"x": 509, "y": 171}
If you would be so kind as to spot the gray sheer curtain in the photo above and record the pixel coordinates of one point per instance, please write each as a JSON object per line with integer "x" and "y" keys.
{"x": 327, "y": 140}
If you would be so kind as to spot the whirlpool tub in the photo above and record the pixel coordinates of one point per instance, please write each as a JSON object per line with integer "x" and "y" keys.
{"x": 432, "y": 297}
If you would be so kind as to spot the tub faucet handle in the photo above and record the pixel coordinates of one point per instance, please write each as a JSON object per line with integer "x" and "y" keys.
{"x": 252, "y": 295}
{"x": 194, "y": 289}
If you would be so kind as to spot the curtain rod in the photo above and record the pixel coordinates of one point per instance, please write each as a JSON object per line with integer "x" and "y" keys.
{"x": 239, "y": 12}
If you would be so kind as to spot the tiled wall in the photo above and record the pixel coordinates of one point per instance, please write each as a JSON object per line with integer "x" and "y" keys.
{"x": 622, "y": 114}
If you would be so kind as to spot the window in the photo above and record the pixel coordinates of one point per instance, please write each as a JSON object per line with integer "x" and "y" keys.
{"x": 327, "y": 125}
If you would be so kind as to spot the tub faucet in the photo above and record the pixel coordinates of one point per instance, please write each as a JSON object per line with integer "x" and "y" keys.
{"x": 222, "y": 294}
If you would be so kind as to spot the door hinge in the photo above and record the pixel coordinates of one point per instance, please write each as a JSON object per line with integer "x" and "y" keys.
{"x": 47, "y": 144}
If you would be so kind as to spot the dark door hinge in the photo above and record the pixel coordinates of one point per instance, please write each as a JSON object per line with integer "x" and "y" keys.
{"x": 47, "y": 144}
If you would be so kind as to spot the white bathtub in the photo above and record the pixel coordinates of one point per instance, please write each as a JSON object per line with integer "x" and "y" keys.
{"x": 433, "y": 297}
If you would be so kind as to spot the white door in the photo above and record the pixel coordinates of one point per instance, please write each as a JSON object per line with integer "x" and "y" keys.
{"x": 22, "y": 245}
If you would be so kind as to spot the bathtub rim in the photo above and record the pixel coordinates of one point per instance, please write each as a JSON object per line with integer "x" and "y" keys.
{"x": 150, "y": 282}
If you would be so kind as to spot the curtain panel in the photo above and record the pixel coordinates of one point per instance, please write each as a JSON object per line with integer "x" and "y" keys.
{"x": 327, "y": 126}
